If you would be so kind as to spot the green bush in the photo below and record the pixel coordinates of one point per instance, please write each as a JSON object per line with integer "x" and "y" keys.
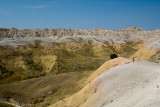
{"x": 35, "y": 101}
{"x": 112, "y": 56}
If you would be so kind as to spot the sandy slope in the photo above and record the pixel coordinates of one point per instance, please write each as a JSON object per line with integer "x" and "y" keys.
{"x": 126, "y": 85}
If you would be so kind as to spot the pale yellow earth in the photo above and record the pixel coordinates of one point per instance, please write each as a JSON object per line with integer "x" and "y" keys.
{"x": 81, "y": 96}
{"x": 126, "y": 85}
{"x": 107, "y": 65}
{"x": 47, "y": 62}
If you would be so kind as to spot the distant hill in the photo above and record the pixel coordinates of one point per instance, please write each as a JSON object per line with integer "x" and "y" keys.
{"x": 14, "y": 36}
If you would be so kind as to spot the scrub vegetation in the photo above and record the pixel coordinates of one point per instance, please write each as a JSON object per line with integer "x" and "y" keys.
{"x": 53, "y": 69}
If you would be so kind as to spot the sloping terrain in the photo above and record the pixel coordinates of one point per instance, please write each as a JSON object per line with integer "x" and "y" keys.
{"x": 43, "y": 91}
{"x": 41, "y": 67}
{"x": 5, "y": 105}
{"x": 156, "y": 57}
{"x": 126, "y": 85}
{"x": 107, "y": 65}
{"x": 38, "y": 63}
{"x": 30, "y": 61}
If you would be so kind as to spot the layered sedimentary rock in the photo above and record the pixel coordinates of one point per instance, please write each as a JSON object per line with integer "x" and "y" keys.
{"x": 14, "y": 36}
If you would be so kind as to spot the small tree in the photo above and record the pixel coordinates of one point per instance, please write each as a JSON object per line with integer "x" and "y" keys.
{"x": 112, "y": 56}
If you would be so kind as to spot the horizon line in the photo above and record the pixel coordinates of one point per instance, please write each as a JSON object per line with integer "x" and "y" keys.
{"x": 79, "y": 29}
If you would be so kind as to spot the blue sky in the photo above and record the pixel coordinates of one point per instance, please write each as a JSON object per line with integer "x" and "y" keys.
{"x": 80, "y": 14}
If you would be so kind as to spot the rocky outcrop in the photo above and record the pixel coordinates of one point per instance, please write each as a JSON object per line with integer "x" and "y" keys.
{"x": 156, "y": 57}
{"x": 70, "y": 35}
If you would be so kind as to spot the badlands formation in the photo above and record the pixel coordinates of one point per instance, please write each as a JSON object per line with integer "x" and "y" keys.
{"x": 151, "y": 39}
{"x": 18, "y": 37}
{"x": 126, "y": 85}
{"x": 72, "y": 68}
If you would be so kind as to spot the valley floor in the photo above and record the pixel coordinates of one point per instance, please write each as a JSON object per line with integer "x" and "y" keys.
{"x": 44, "y": 91}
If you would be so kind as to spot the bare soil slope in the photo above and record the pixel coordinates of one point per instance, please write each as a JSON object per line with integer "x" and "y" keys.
{"x": 107, "y": 65}
{"x": 127, "y": 85}
{"x": 43, "y": 91}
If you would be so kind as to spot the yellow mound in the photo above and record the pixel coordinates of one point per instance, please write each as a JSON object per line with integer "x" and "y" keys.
{"x": 107, "y": 65}
{"x": 126, "y": 85}
{"x": 144, "y": 52}
{"x": 79, "y": 98}
{"x": 47, "y": 62}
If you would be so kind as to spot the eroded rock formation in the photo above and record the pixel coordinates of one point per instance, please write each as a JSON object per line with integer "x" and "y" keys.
{"x": 13, "y": 36}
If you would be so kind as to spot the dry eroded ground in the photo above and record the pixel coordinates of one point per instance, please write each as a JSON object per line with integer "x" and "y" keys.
{"x": 126, "y": 85}
{"x": 44, "y": 91}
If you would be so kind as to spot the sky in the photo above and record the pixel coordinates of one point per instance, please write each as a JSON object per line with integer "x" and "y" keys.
{"x": 80, "y": 14}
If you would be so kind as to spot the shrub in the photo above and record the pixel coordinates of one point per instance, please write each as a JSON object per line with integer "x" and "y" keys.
{"x": 35, "y": 101}
{"x": 112, "y": 56}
